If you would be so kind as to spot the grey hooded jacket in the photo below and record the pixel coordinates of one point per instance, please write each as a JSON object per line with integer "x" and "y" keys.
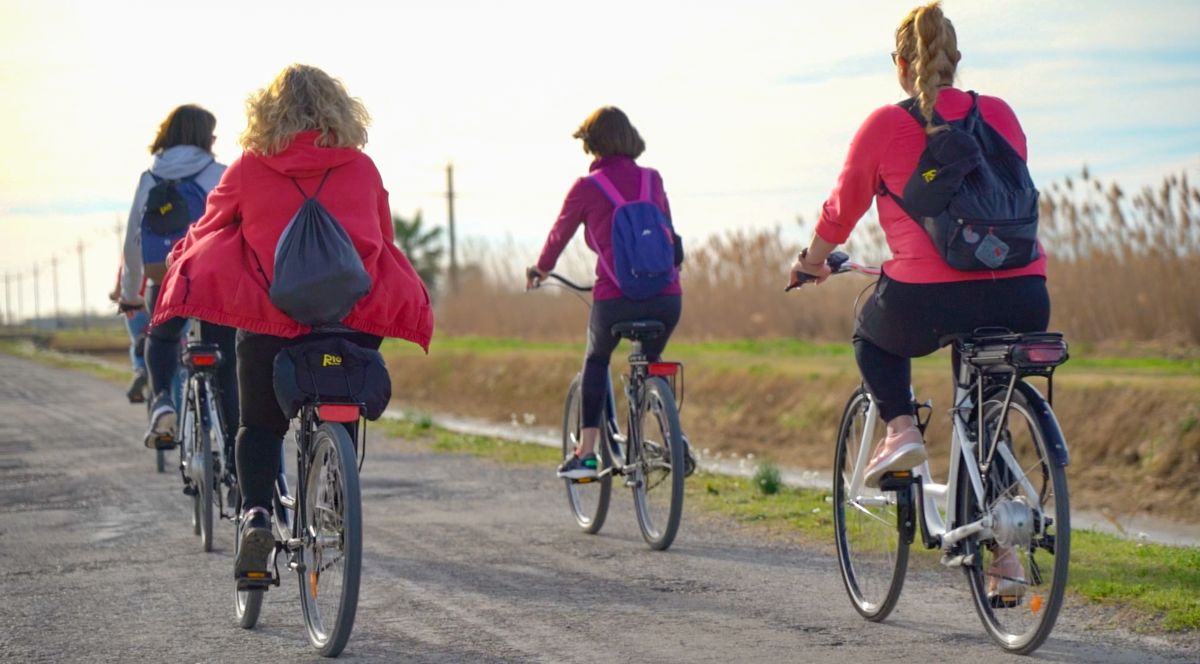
{"x": 175, "y": 162}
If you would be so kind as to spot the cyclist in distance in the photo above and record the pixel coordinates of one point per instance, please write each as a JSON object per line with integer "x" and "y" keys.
{"x": 615, "y": 144}
{"x": 301, "y": 129}
{"x": 182, "y": 150}
{"x": 919, "y": 298}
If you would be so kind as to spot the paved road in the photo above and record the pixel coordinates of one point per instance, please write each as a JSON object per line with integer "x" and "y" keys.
{"x": 465, "y": 561}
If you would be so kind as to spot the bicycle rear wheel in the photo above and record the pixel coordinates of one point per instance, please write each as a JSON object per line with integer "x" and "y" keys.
{"x": 658, "y": 460}
{"x": 332, "y": 548}
{"x": 588, "y": 500}
{"x": 1025, "y": 491}
{"x": 202, "y": 473}
{"x": 872, "y": 555}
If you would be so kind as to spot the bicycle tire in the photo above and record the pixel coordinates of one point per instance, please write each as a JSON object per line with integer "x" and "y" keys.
{"x": 189, "y": 433}
{"x": 658, "y": 401}
{"x": 160, "y": 461}
{"x": 205, "y": 480}
{"x": 588, "y": 501}
{"x": 1003, "y": 617}
{"x": 872, "y": 581}
{"x": 331, "y": 450}
{"x": 246, "y": 603}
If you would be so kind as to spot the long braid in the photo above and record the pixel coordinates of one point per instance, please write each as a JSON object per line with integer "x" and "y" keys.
{"x": 927, "y": 40}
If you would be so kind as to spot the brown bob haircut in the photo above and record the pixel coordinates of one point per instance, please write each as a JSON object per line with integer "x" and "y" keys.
{"x": 186, "y": 125}
{"x": 607, "y": 131}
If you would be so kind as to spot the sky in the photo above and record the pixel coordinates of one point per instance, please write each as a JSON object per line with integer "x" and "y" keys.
{"x": 747, "y": 107}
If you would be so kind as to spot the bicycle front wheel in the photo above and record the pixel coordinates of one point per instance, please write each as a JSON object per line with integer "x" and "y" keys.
{"x": 872, "y": 555}
{"x": 658, "y": 465}
{"x": 332, "y": 549}
{"x": 246, "y": 603}
{"x": 588, "y": 500}
{"x": 1020, "y": 571}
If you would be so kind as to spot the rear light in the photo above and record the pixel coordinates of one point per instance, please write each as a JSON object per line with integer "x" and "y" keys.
{"x": 663, "y": 368}
{"x": 338, "y": 412}
{"x": 204, "y": 359}
{"x": 1039, "y": 353}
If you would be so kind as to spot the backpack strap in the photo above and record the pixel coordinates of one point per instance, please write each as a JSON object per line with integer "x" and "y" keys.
{"x": 315, "y": 193}
{"x": 606, "y": 186}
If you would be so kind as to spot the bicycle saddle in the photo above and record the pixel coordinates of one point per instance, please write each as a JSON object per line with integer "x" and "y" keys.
{"x": 639, "y": 330}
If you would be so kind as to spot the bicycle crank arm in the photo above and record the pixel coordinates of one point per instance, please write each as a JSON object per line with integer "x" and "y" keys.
{"x": 959, "y": 560}
{"x": 957, "y": 535}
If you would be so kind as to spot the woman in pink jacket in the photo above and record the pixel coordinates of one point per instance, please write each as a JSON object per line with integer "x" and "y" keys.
{"x": 304, "y": 134}
{"x": 919, "y": 298}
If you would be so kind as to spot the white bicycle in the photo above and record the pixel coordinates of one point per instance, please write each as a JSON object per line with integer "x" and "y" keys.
{"x": 1003, "y": 506}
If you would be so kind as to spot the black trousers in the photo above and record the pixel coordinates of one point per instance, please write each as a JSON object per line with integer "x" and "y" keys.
{"x": 263, "y": 423}
{"x": 901, "y": 321}
{"x": 601, "y": 343}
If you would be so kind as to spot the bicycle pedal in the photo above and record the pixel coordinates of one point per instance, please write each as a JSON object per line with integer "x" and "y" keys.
{"x": 256, "y": 581}
{"x": 583, "y": 480}
{"x": 189, "y": 490}
{"x": 897, "y": 480}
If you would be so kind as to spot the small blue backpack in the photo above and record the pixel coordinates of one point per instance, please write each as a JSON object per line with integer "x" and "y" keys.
{"x": 171, "y": 207}
{"x": 643, "y": 241}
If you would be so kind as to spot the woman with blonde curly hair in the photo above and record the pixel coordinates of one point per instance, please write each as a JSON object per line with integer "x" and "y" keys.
{"x": 304, "y": 139}
{"x": 920, "y": 299}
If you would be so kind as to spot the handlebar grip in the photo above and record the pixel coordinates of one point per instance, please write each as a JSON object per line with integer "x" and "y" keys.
{"x": 836, "y": 260}
{"x": 531, "y": 272}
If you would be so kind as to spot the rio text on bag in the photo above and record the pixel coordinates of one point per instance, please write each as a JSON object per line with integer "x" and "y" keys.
{"x": 319, "y": 276}
{"x": 171, "y": 207}
{"x": 645, "y": 249}
{"x": 972, "y": 194}
{"x": 333, "y": 370}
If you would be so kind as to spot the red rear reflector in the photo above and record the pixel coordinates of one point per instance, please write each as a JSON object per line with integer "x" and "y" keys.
{"x": 663, "y": 368}
{"x": 338, "y": 412}
{"x": 204, "y": 360}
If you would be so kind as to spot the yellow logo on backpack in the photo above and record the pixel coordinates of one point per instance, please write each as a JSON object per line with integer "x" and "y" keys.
{"x": 929, "y": 175}
{"x": 331, "y": 360}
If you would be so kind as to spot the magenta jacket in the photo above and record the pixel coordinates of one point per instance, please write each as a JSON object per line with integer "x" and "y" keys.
{"x": 586, "y": 204}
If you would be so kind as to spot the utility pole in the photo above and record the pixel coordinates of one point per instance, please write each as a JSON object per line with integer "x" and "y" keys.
{"x": 58, "y": 322}
{"x": 82, "y": 286}
{"x": 20, "y": 301}
{"x": 7, "y": 302}
{"x": 450, "y": 218}
{"x": 37, "y": 299}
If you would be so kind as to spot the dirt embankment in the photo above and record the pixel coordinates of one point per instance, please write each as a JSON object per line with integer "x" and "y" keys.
{"x": 1134, "y": 438}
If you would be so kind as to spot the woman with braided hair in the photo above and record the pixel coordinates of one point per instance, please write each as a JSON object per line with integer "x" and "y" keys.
{"x": 920, "y": 298}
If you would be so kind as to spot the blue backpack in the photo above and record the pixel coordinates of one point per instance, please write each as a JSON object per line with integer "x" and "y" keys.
{"x": 643, "y": 242}
{"x": 972, "y": 194}
{"x": 171, "y": 207}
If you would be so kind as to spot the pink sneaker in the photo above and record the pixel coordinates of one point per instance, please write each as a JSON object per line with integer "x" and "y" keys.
{"x": 903, "y": 450}
{"x": 1005, "y": 576}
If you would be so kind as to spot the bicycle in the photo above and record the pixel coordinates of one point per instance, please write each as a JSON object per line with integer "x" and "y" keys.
{"x": 1006, "y": 492}
{"x": 319, "y": 528}
{"x": 647, "y": 456}
{"x": 205, "y": 456}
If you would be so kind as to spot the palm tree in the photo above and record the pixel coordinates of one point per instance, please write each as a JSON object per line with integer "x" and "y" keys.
{"x": 423, "y": 247}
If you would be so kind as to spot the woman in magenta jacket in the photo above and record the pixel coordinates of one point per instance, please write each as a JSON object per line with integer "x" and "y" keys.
{"x": 920, "y": 298}
{"x": 302, "y": 127}
{"x": 608, "y": 136}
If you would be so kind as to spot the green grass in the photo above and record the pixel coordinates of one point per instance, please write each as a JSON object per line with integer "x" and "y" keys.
{"x": 26, "y": 350}
{"x": 1158, "y": 585}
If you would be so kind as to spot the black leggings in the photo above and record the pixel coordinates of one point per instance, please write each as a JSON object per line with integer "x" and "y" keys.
{"x": 601, "y": 343}
{"x": 901, "y": 321}
{"x": 263, "y": 424}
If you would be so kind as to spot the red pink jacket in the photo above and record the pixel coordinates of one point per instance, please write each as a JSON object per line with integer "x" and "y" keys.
{"x": 221, "y": 271}
{"x": 586, "y": 204}
{"x": 887, "y": 148}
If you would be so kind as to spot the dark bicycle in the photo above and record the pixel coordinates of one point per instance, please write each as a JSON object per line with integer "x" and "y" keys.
{"x": 651, "y": 455}
{"x": 318, "y": 528}
{"x": 205, "y": 455}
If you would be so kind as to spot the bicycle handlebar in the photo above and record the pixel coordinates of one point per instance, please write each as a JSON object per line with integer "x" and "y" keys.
{"x": 533, "y": 274}
{"x": 839, "y": 262}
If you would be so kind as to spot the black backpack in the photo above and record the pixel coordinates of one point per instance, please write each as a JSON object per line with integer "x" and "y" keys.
{"x": 319, "y": 276}
{"x": 972, "y": 194}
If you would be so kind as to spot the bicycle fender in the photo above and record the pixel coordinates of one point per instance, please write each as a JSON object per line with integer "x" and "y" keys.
{"x": 1056, "y": 444}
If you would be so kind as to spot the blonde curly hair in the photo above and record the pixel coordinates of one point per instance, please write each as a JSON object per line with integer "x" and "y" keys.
{"x": 927, "y": 41}
{"x": 304, "y": 98}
